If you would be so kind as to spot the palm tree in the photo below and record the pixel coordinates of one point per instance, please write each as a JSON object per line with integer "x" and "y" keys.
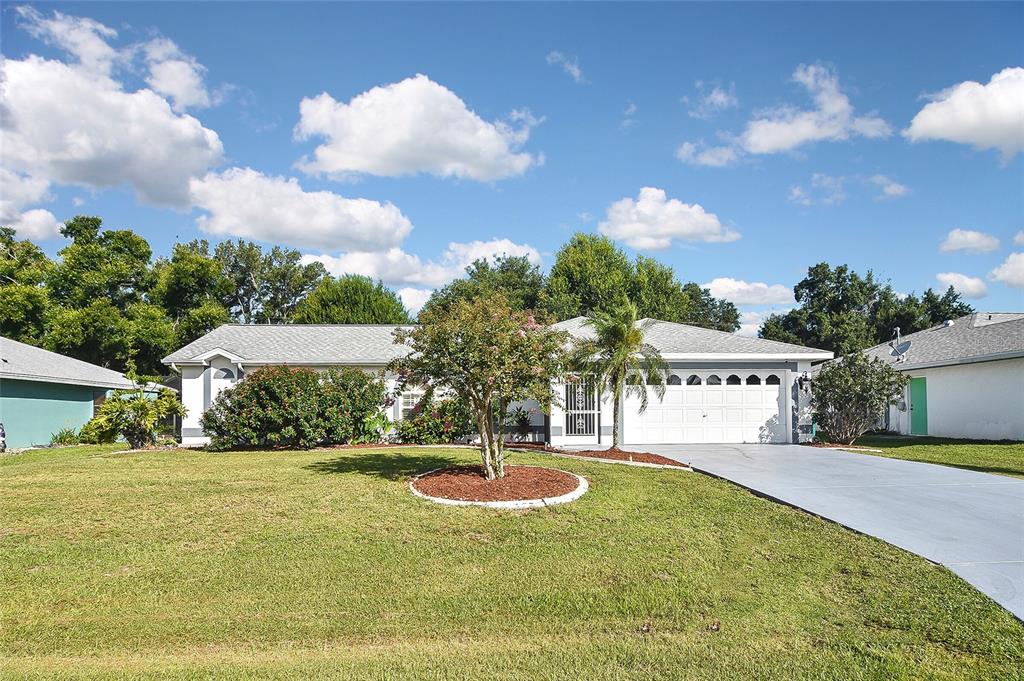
{"x": 621, "y": 361}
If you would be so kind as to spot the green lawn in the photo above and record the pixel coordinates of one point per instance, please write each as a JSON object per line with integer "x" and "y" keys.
{"x": 322, "y": 564}
{"x": 1004, "y": 458}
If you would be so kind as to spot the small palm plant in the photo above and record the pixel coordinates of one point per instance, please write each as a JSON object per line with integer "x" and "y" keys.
{"x": 621, "y": 361}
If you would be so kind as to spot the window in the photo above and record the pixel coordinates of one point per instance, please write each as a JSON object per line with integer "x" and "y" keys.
{"x": 733, "y": 380}
{"x": 674, "y": 380}
{"x": 694, "y": 379}
{"x": 772, "y": 380}
{"x": 409, "y": 401}
{"x": 753, "y": 379}
{"x": 224, "y": 373}
{"x": 713, "y": 379}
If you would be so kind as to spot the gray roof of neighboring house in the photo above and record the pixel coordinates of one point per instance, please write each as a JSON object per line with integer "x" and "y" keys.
{"x": 24, "y": 362}
{"x": 978, "y": 337}
{"x": 298, "y": 344}
{"x": 673, "y": 338}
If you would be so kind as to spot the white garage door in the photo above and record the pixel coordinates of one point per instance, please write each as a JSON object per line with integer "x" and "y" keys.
{"x": 710, "y": 407}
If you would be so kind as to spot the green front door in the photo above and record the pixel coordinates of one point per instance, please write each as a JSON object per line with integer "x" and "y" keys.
{"x": 918, "y": 406}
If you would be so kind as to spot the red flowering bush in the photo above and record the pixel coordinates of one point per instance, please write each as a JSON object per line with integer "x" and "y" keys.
{"x": 286, "y": 406}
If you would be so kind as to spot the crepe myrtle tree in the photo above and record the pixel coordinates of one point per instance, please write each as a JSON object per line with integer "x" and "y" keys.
{"x": 851, "y": 394}
{"x": 489, "y": 354}
{"x": 621, "y": 360}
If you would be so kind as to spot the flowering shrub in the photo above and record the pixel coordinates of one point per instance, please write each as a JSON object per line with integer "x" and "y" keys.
{"x": 435, "y": 422}
{"x": 295, "y": 407}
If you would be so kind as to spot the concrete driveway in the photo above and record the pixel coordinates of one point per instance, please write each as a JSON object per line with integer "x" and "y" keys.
{"x": 973, "y": 523}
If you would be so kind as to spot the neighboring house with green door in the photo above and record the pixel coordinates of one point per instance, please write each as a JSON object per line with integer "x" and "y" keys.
{"x": 42, "y": 392}
{"x": 966, "y": 379}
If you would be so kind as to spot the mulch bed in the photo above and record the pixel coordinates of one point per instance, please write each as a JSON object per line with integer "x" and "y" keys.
{"x": 620, "y": 455}
{"x": 467, "y": 483}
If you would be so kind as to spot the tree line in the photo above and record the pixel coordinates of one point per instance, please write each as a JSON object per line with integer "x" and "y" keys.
{"x": 105, "y": 300}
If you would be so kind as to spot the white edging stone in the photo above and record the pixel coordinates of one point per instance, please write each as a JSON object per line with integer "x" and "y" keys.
{"x": 640, "y": 464}
{"x": 517, "y": 505}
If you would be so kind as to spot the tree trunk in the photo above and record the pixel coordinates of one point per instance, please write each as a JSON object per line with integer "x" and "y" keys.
{"x": 616, "y": 400}
{"x": 483, "y": 424}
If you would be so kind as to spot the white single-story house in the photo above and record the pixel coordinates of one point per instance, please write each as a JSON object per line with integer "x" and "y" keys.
{"x": 966, "y": 379}
{"x": 723, "y": 387}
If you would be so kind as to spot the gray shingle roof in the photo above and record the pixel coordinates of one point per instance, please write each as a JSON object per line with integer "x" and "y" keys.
{"x": 673, "y": 338}
{"x": 29, "y": 363}
{"x": 972, "y": 338}
{"x": 298, "y": 344}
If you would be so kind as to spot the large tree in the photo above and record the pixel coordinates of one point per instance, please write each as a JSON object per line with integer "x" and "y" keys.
{"x": 488, "y": 354}
{"x": 842, "y": 311}
{"x": 621, "y": 360}
{"x": 351, "y": 299}
{"x": 23, "y": 295}
{"x": 192, "y": 287}
{"x": 520, "y": 280}
{"x": 265, "y": 287}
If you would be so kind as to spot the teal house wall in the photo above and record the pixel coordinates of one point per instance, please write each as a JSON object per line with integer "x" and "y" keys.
{"x": 32, "y": 411}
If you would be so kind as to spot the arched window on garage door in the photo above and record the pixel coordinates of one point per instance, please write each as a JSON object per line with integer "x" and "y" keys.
{"x": 733, "y": 380}
{"x": 772, "y": 380}
{"x": 674, "y": 380}
{"x": 693, "y": 379}
{"x": 713, "y": 379}
{"x": 753, "y": 379}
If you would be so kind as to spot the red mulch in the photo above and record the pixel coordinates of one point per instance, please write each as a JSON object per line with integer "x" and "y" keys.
{"x": 467, "y": 483}
{"x": 620, "y": 455}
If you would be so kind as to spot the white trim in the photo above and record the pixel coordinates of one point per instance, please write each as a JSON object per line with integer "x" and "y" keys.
{"x": 517, "y": 505}
{"x": 746, "y": 356}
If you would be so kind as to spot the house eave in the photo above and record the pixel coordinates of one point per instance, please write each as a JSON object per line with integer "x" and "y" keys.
{"x": 746, "y": 356}
{"x": 102, "y": 385}
{"x": 960, "y": 361}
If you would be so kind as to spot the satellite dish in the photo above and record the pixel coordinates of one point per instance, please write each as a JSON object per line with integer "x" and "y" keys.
{"x": 900, "y": 351}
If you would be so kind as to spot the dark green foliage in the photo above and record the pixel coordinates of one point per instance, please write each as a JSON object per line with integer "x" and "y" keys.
{"x": 591, "y": 274}
{"x": 201, "y": 320}
{"x": 436, "y": 421}
{"x": 265, "y": 287}
{"x": 351, "y": 299}
{"x": 520, "y": 280}
{"x": 851, "y": 394}
{"x": 64, "y": 437}
{"x": 843, "y": 312}
{"x": 23, "y": 296}
{"x": 294, "y": 407}
{"x": 190, "y": 279}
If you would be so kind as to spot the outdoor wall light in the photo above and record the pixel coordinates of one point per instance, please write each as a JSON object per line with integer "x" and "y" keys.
{"x": 804, "y": 383}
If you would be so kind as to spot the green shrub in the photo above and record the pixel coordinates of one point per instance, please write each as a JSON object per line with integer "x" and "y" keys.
{"x": 435, "y": 422}
{"x": 285, "y": 406}
{"x": 64, "y": 437}
{"x": 851, "y": 394}
{"x": 132, "y": 415}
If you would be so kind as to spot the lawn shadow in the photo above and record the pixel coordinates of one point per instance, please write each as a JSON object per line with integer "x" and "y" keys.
{"x": 389, "y": 464}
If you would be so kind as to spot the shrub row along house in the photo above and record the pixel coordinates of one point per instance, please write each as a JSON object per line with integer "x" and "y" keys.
{"x": 722, "y": 387}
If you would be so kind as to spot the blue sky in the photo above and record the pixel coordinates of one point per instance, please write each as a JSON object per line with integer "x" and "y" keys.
{"x": 768, "y": 137}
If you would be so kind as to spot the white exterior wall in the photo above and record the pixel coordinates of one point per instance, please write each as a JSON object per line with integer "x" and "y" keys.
{"x": 983, "y": 401}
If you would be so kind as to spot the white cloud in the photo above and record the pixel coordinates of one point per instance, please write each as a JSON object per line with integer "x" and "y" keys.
{"x": 245, "y": 203}
{"x": 710, "y": 102}
{"x": 1018, "y": 238}
{"x": 396, "y": 266}
{"x": 968, "y": 287}
{"x": 653, "y": 220}
{"x": 628, "y": 116}
{"x": 749, "y": 293}
{"x": 414, "y": 298}
{"x": 36, "y": 224}
{"x": 701, "y": 154}
{"x": 18, "y": 190}
{"x": 970, "y": 241}
{"x": 73, "y": 124}
{"x": 750, "y": 322}
{"x": 890, "y": 189}
{"x": 571, "y": 65}
{"x": 985, "y": 116}
{"x": 176, "y": 75}
{"x": 414, "y": 126}
{"x": 824, "y": 189}
{"x": 85, "y": 39}
{"x": 1011, "y": 272}
{"x": 786, "y": 128}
